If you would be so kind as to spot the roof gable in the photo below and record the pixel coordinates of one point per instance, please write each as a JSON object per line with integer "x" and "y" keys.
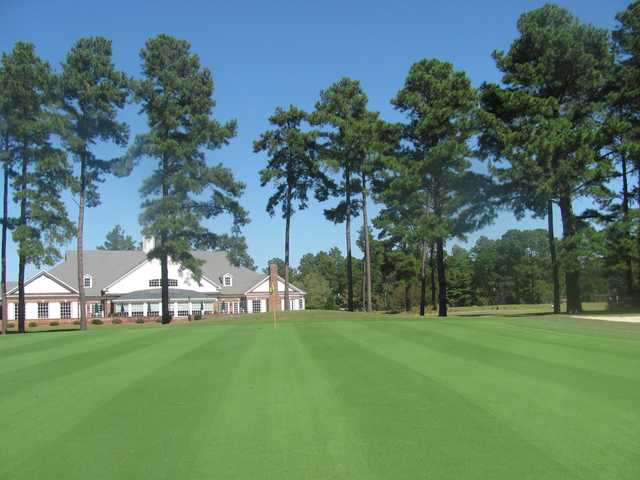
{"x": 44, "y": 283}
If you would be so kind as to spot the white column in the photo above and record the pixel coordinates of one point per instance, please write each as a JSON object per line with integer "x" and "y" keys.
{"x": 145, "y": 308}
{"x": 128, "y": 309}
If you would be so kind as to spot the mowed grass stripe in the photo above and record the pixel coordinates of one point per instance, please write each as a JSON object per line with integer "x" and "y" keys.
{"x": 564, "y": 423}
{"x": 414, "y": 426}
{"x": 280, "y": 418}
{"x": 59, "y": 425}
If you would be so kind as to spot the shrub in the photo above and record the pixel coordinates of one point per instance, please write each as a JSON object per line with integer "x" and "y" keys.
{"x": 96, "y": 321}
{"x": 54, "y": 323}
{"x": 116, "y": 320}
{"x": 33, "y": 324}
{"x": 76, "y": 322}
{"x": 197, "y": 316}
{"x": 139, "y": 320}
{"x": 158, "y": 320}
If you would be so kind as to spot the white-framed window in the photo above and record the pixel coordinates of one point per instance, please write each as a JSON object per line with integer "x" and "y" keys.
{"x": 96, "y": 310}
{"x": 122, "y": 310}
{"x": 153, "y": 310}
{"x": 236, "y": 308}
{"x": 208, "y": 307}
{"x": 65, "y": 309}
{"x": 243, "y": 305}
{"x": 156, "y": 282}
{"x": 43, "y": 310}
{"x": 15, "y": 311}
{"x": 300, "y": 304}
{"x": 257, "y": 306}
{"x": 223, "y": 307}
{"x": 183, "y": 309}
{"x": 227, "y": 280}
{"x": 137, "y": 309}
{"x": 87, "y": 281}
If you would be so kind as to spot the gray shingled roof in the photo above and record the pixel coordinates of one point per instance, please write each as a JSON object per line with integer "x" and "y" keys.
{"x": 106, "y": 266}
{"x": 156, "y": 294}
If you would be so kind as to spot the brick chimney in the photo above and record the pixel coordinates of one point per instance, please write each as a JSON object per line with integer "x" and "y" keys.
{"x": 274, "y": 298}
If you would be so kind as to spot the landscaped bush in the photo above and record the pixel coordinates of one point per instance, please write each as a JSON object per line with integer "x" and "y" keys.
{"x": 33, "y": 324}
{"x": 54, "y": 323}
{"x": 139, "y": 320}
{"x": 96, "y": 321}
{"x": 76, "y": 322}
{"x": 197, "y": 316}
{"x": 116, "y": 321}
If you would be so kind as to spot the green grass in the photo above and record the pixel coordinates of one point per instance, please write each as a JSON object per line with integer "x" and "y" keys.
{"x": 325, "y": 395}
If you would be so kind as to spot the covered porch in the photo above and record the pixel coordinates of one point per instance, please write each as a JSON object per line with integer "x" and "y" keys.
{"x": 148, "y": 303}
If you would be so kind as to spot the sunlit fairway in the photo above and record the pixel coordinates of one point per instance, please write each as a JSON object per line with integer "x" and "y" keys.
{"x": 325, "y": 395}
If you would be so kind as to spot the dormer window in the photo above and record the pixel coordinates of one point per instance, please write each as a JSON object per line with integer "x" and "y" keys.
{"x": 87, "y": 281}
{"x": 227, "y": 280}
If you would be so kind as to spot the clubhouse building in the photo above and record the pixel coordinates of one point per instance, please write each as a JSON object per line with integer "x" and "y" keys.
{"x": 127, "y": 284}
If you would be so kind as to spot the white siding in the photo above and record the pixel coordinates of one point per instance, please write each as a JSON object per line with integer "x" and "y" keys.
{"x": 54, "y": 309}
{"x": 263, "y": 287}
{"x": 44, "y": 284}
{"x": 139, "y": 278}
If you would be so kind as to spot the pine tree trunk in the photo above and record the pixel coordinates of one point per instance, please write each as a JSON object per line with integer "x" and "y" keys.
{"x": 364, "y": 284}
{"x": 555, "y": 272}
{"x": 572, "y": 275}
{"x": 5, "y": 226}
{"x": 347, "y": 177}
{"x": 367, "y": 244}
{"x": 442, "y": 281}
{"x": 286, "y": 248}
{"x": 164, "y": 259}
{"x": 80, "y": 247}
{"x": 628, "y": 274}
{"x": 423, "y": 279}
{"x": 407, "y": 296}
{"x": 22, "y": 261}
{"x": 432, "y": 267}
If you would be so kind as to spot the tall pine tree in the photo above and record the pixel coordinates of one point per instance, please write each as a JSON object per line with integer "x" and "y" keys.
{"x": 92, "y": 92}
{"x": 551, "y": 109}
{"x": 293, "y": 168}
{"x": 42, "y": 170}
{"x": 434, "y": 165}
{"x": 183, "y": 190}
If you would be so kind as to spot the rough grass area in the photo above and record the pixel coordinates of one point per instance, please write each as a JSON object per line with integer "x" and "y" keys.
{"x": 324, "y": 395}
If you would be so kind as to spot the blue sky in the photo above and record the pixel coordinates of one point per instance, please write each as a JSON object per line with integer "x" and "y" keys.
{"x": 266, "y": 54}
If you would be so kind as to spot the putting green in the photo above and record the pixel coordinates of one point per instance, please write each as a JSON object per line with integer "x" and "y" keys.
{"x": 325, "y": 395}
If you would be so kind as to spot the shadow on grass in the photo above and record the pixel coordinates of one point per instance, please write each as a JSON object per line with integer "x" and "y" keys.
{"x": 56, "y": 330}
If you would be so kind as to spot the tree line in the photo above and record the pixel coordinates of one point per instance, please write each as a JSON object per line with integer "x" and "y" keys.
{"x": 561, "y": 126}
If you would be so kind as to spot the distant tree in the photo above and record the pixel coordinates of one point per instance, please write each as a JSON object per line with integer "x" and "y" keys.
{"x": 117, "y": 240}
{"x": 332, "y": 266}
{"x": 460, "y": 277}
{"x": 341, "y": 110}
{"x": 293, "y": 168}
{"x": 318, "y": 291}
{"x": 547, "y": 122}
{"x": 441, "y": 107}
{"x": 92, "y": 92}
{"x": 175, "y": 94}
{"x": 43, "y": 172}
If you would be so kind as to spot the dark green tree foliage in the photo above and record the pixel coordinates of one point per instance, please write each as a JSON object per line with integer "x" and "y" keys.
{"x": 459, "y": 278}
{"x": 93, "y": 92}
{"x": 623, "y": 223}
{"x": 331, "y": 266}
{"x": 176, "y": 95}
{"x": 42, "y": 170}
{"x": 342, "y": 111}
{"x": 280, "y": 264}
{"x": 440, "y": 105}
{"x": 293, "y": 168}
{"x": 548, "y": 121}
{"x": 117, "y": 240}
